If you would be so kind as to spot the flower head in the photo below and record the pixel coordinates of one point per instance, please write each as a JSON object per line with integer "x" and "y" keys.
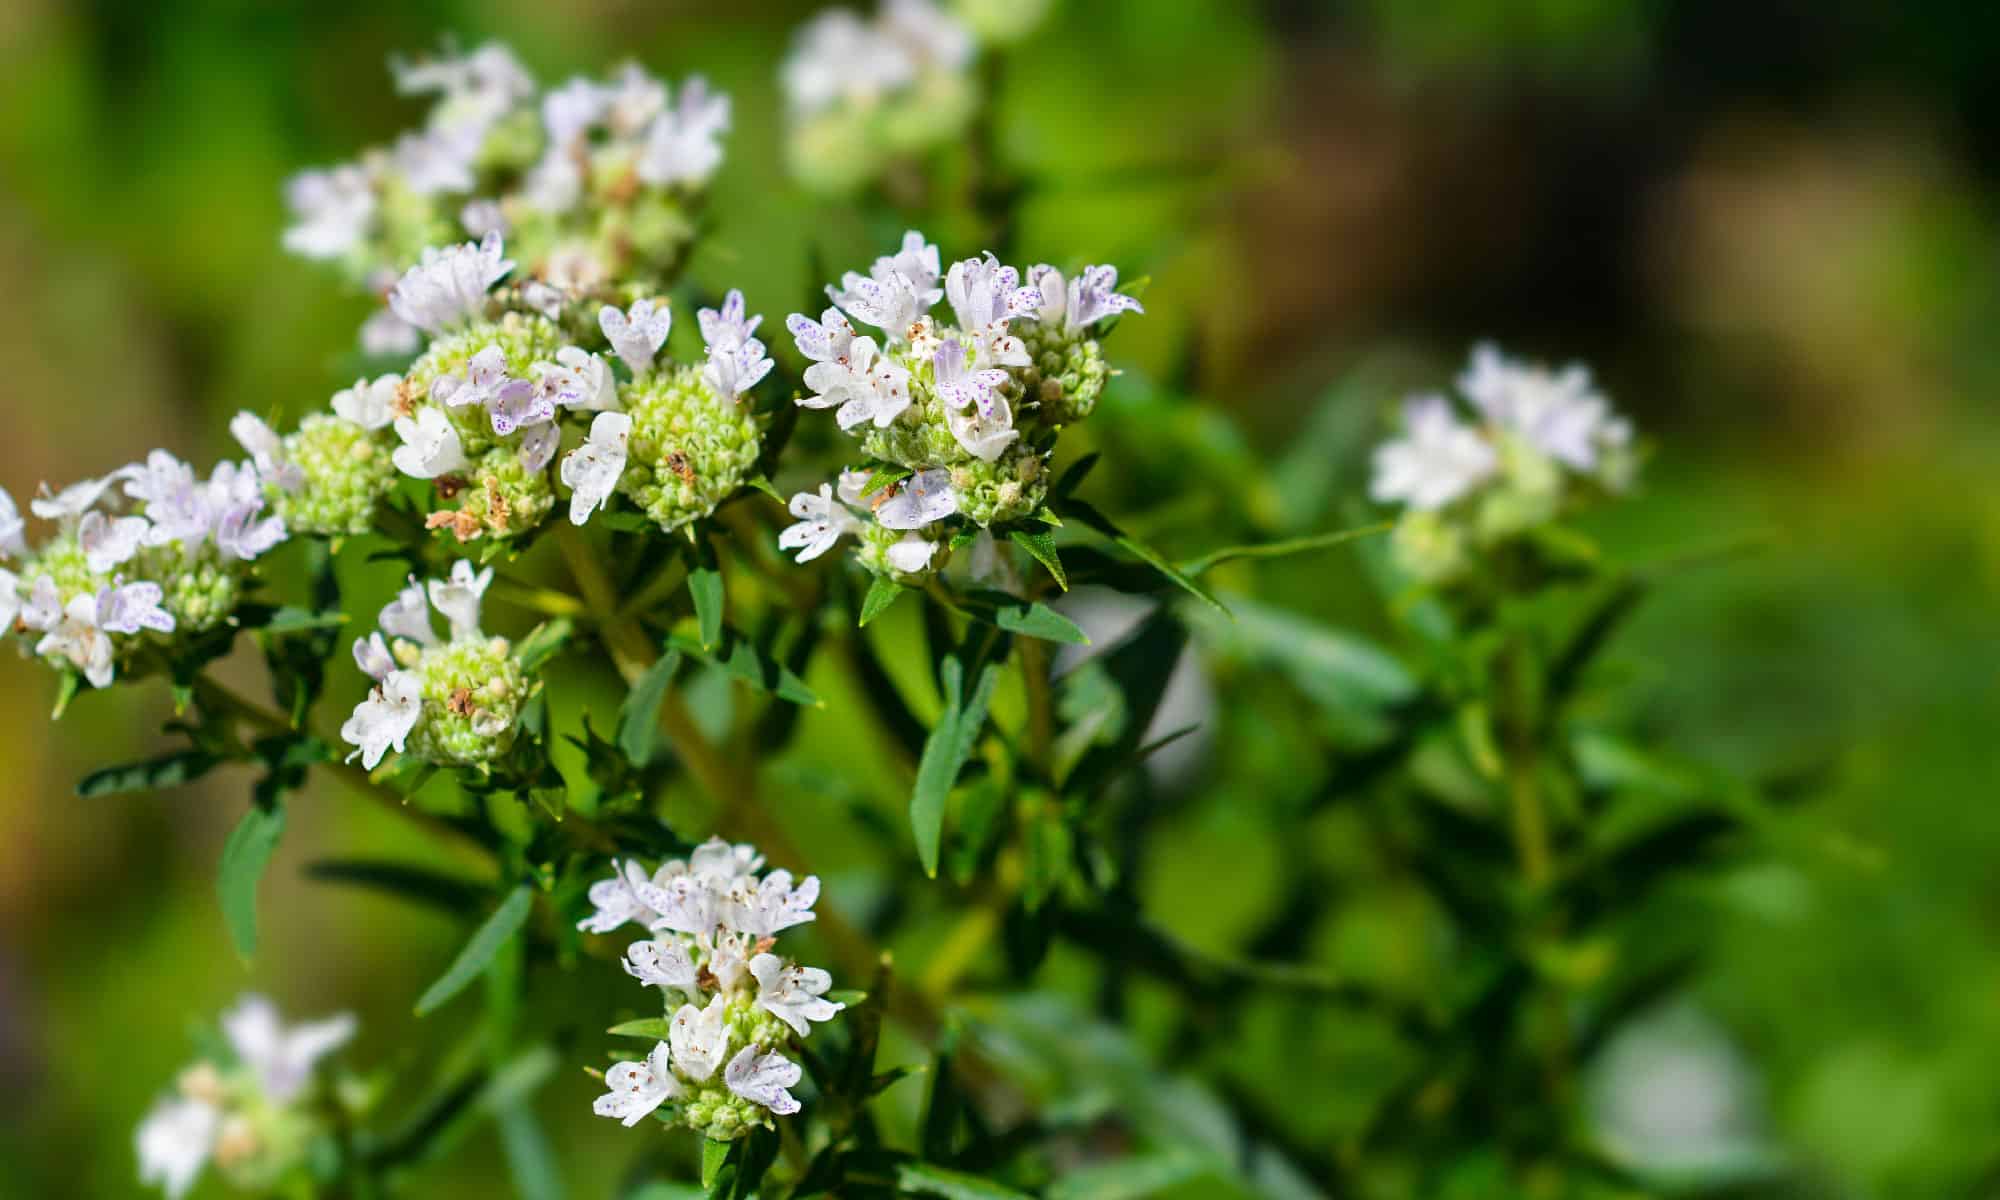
{"x": 1439, "y": 458}
{"x": 449, "y": 286}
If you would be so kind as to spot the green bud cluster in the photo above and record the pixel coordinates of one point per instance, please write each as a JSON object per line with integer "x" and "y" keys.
{"x": 690, "y": 449}
{"x": 347, "y": 472}
{"x": 1066, "y": 377}
{"x": 473, "y": 689}
{"x": 842, "y": 149}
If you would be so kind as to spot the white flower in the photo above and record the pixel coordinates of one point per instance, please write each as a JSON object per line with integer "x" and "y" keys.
{"x": 546, "y": 299}
{"x": 686, "y": 904}
{"x": 772, "y": 905}
{"x": 794, "y": 994}
{"x": 372, "y": 655}
{"x": 637, "y": 334}
{"x": 961, "y": 388}
{"x": 1083, "y": 301}
{"x": 79, "y": 498}
{"x": 636, "y": 1089}
{"x": 1439, "y": 458}
{"x": 77, "y": 637}
{"x": 369, "y": 405}
{"x": 449, "y": 286}
{"x": 866, "y": 385}
{"x": 568, "y": 112}
{"x": 637, "y": 98}
{"x": 591, "y": 471}
{"x": 474, "y": 88}
{"x": 986, "y": 296}
{"x": 578, "y": 380}
{"x": 459, "y": 598}
{"x": 661, "y": 963}
{"x": 12, "y": 543}
{"x": 44, "y": 606}
{"x": 700, "y": 1037}
{"x": 837, "y": 56}
{"x": 554, "y": 185}
{"x": 10, "y": 599}
{"x": 267, "y": 451}
{"x": 732, "y": 371}
{"x": 334, "y": 209}
{"x": 128, "y": 608}
{"x": 481, "y": 217}
{"x": 282, "y": 1059}
{"x": 723, "y": 863}
{"x": 174, "y": 1143}
{"x": 684, "y": 143}
{"x": 234, "y": 499}
{"x": 934, "y": 37}
{"x": 430, "y": 445}
{"x": 728, "y": 327}
{"x": 917, "y": 261}
{"x": 911, "y": 553}
{"x": 919, "y": 500}
{"x": 763, "y": 1078}
{"x": 385, "y": 334}
{"x": 821, "y": 521}
{"x": 539, "y": 444}
{"x": 108, "y": 541}
{"x": 384, "y": 719}
{"x": 408, "y": 616}
{"x": 438, "y": 161}
{"x": 985, "y": 435}
{"x": 617, "y": 899}
{"x": 510, "y": 403}
{"x": 887, "y": 299}
{"x": 1559, "y": 413}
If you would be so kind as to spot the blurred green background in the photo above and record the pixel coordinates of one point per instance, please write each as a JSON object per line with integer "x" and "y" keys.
{"x": 1770, "y": 227}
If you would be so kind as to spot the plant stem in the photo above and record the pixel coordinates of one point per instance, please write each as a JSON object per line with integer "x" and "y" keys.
{"x": 219, "y": 696}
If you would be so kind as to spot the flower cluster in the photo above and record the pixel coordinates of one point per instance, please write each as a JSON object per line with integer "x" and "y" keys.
{"x": 452, "y": 701}
{"x": 955, "y": 418}
{"x": 1542, "y": 440}
{"x": 148, "y": 551}
{"x": 596, "y": 183}
{"x": 731, "y": 1005}
{"x": 480, "y": 414}
{"x": 245, "y": 1110}
{"x": 863, "y": 93}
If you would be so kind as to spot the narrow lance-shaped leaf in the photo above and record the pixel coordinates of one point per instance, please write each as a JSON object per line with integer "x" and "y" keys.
{"x": 244, "y": 857}
{"x": 882, "y": 593}
{"x": 152, "y": 775}
{"x": 505, "y": 922}
{"x": 945, "y": 752}
{"x": 1042, "y": 545}
{"x": 705, "y": 586}
{"x": 1194, "y": 567}
{"x": 639, "y": 715}
{"x": 752, "y": 666}
{"x": 1151, "y": 557}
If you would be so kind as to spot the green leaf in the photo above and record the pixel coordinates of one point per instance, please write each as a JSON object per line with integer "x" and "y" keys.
{"x": 749, "y": 664}
{"x": 1129, "y": 1178}
{"x": 543, "y": 643}
{"x": 1038, "y": 620}
{"x": 152, "y": 775}
{"x": 663, "y": 1190}
{"x": 293, "y": 619}
{"x": 67, "y": 686}
{"x": 926, "y": 1179}
{"x": 653, "y": 1029}
{"x": 639, "y": 715}
{"x": 1302, "y": 545}
{"x": 882, "y": 593}
{"x": 1042, "y": 545}
{"x": 705, "y": 586}
{"x": 945, "y": 752}
{"x": 882, "y": 477}
{"x": 486, "y": 941}
{"x": 1146, "y": 554}
{"x": 244, "y": 857}
{"x": 1073, "y": 478}
{"x": 713, "y": 1155}
{"x": 944, "y": 1103}
{"x": 530, "y": 1160}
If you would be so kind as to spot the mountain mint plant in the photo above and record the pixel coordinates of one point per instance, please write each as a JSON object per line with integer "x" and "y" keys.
{"x": 593, "y": 655}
